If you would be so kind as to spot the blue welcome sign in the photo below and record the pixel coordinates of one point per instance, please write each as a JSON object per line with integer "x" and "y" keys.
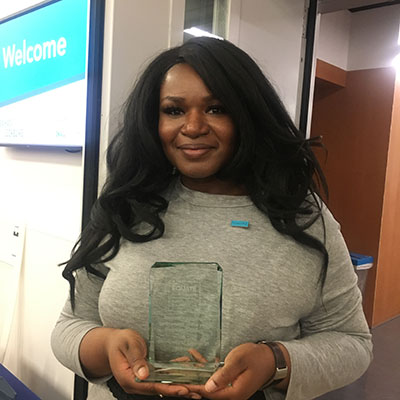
{"x": 43, "y": 50}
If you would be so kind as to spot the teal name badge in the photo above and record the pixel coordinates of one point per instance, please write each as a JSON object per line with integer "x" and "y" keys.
{"x": 240, "y": 224}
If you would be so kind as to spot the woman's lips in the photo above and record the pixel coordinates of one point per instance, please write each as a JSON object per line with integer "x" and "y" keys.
{"x": 195, "y": 151}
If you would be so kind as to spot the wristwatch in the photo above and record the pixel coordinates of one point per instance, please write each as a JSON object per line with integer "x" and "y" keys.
{"x": 281, "y": 369}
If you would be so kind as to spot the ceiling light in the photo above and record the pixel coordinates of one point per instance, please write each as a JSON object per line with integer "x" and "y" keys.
{"x": 200, "y": 32}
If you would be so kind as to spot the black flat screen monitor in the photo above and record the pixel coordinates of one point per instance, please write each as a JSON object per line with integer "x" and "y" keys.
{"x": 43, "y": 75}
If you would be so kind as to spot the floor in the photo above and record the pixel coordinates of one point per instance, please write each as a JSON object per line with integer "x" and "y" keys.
{"x": 382, "y": 379}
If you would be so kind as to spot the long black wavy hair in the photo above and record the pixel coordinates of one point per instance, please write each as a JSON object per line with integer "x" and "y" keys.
{"x": 273, "y": 159}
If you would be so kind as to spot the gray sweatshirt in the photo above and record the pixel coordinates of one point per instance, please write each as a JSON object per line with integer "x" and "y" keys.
{"x": 271, "y": 291}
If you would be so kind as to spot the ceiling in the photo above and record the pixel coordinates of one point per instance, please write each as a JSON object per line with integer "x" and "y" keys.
{"x": 325, "y": 6}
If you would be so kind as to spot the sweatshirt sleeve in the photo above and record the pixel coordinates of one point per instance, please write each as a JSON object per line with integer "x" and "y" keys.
{"x": 334, "y": 348}
{"x": 72, "y": 326}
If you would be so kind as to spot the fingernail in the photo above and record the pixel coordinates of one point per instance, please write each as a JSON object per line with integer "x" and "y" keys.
{"x": 195, "y": 396}
{"x": 141, "y": 371}
{"x": 182, "y": 392}
{"x": 210, "y": 386}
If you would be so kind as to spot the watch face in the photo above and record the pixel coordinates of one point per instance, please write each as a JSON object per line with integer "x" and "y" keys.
{"x": 280, "y": 374}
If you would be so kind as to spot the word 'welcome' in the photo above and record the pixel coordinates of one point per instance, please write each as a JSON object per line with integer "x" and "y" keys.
{"x": 12, "y": 56}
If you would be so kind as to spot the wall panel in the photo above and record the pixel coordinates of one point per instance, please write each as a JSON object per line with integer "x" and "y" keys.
{"x": 387, "y": 304}
{"x": 355, "y": 124}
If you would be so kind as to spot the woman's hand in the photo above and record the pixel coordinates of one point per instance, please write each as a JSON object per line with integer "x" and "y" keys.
{"x": 247, "y": 367}
{"x": 122, "y": 353}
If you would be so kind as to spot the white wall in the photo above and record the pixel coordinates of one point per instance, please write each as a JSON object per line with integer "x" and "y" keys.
{"x": 374, "y": 38}
{"x": 334, "y": 38}
{"x": 326, "y": 6}
{"x": 43, "y": 189}
{"x": 362, "y": 40}
{"x": 271, "y": 32}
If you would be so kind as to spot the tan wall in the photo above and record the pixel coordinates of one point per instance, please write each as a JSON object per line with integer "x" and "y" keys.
{"x": 355, "y": 124}
{"x": 387, "y": 291}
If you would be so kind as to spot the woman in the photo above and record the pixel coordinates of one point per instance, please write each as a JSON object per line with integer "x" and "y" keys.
{"x": 205, "y": 141}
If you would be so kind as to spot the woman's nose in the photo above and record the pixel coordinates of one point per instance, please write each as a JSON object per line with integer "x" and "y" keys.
{"x": 195, "y": 124}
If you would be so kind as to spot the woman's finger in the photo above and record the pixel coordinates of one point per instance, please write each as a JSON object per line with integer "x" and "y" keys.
{"x": 224, "y": 377}
{"x": 182, "y": 359}
{"x": 134, "y": 349}
{"x": 197, "y": 356}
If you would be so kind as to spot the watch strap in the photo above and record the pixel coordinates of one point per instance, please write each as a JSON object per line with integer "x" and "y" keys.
{"x": 281, "y": 368}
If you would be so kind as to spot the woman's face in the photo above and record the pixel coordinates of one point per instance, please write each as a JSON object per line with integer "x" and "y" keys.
{"x": 197, "y": 134}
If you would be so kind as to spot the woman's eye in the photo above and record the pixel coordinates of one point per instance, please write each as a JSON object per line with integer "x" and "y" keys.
{"x": 216, "y": 109}
{"x": 172, "y": 111}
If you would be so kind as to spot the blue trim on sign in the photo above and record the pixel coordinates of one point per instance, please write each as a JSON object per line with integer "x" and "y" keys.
{"x": 43, "y": 89}
{"x": 27, "y": 11}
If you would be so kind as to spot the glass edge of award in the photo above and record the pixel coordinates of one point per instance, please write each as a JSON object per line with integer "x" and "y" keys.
{"x": 191, "y": 371}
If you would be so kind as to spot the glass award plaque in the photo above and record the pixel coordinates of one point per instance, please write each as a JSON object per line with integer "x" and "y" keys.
{"x": 184, "y": 321}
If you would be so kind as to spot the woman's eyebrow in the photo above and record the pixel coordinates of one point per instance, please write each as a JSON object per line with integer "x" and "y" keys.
{"x": 179, "y": 99}
{"x": 176, "y": 99}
